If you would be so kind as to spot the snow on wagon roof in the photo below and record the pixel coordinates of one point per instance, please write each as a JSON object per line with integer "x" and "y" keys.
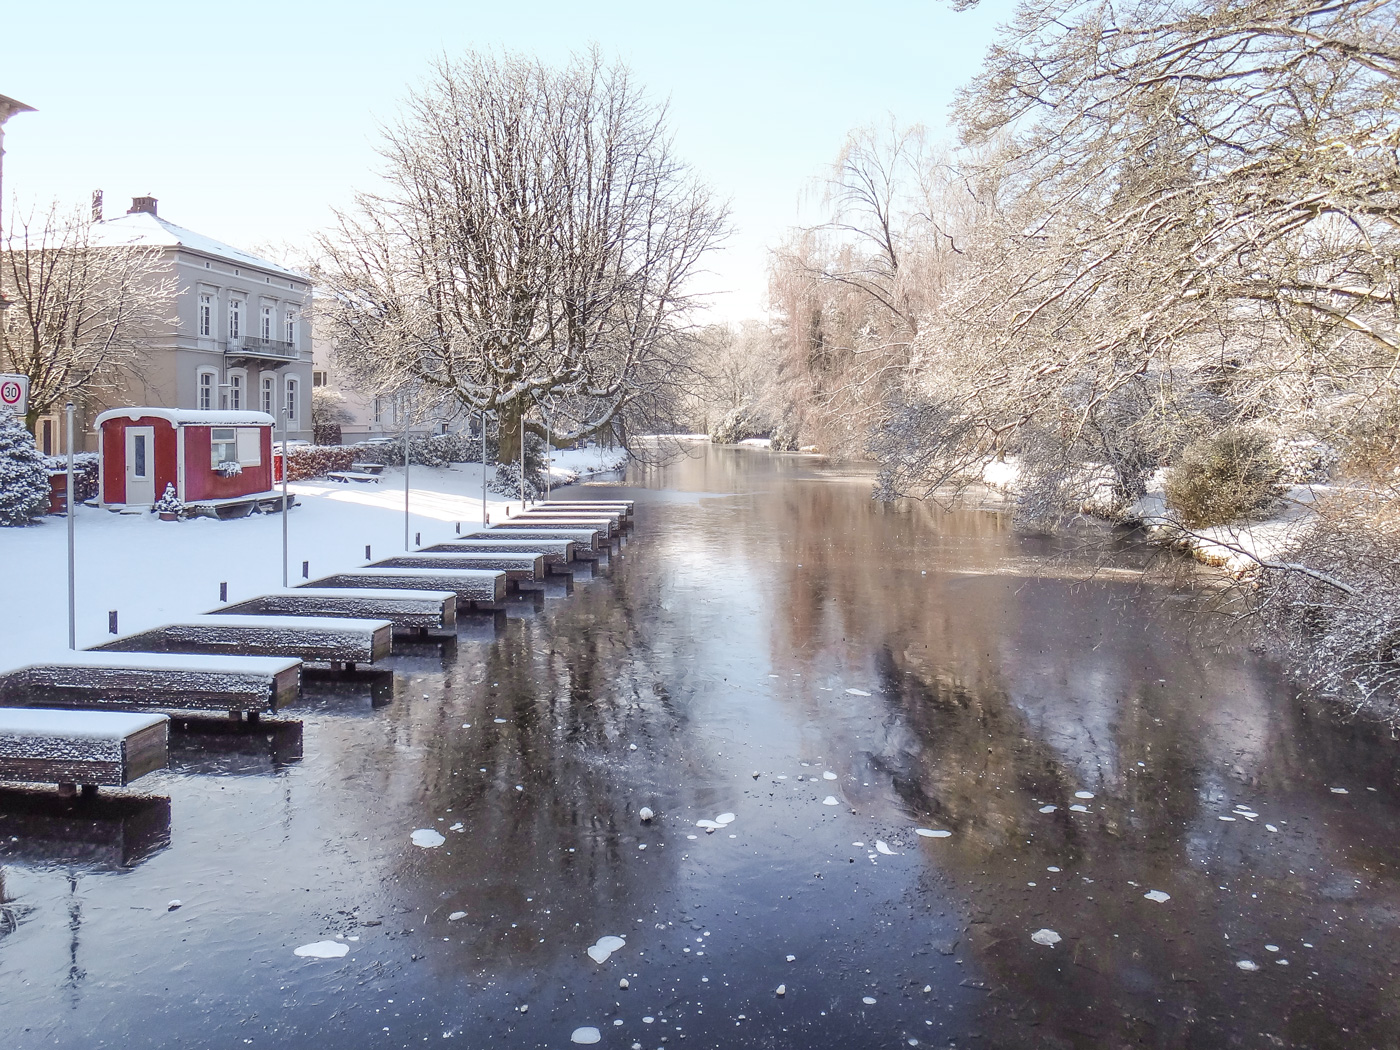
{"x": 191, "y": 417}
{"x": 144, "y": 228}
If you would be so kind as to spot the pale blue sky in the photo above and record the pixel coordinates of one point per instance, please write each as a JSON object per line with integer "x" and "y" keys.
{"x": 250, "y": 121}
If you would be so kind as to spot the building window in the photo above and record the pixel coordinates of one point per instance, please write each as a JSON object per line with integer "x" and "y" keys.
{"x": 292, "y": 391}
{"x": 235, "y": 319}
{"x": 235, "y": 391}
{"x": 318, "y": 378}
{"x": 206, "y": 391}
{"x": 223, "y": 446}
{"x": 291, "y": 326}
{"x": 267, "y": 394}
{"x": 378, "y": 410}
{"x": 267, "y": 324}
{"x": 206, "y": 314}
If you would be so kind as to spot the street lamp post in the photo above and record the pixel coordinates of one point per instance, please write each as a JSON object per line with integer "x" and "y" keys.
{"x": 286, "y": 470}
{"x": 8, "y": 108}
{"x": 72, "y": 515}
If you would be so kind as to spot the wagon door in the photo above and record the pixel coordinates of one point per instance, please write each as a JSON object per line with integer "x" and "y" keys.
{"x": 140, "y": 465}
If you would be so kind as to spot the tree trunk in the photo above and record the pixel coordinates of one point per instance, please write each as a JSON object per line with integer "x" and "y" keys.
{"x": 508, "y": 440}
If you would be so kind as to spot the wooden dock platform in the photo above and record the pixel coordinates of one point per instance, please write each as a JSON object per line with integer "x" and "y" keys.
{"x": 154, "y": 682}
{"x": 610, "y": 523}
{"x": 526, "y": 568}
{"x": 339, "y": 641}
{"x": 470, "y": 585}
{"x": 623, "y": 508}
{"x": 587, "y": 538}
{"x": 410, "y": 611}
{"x": 557, "y": 554}
{"x": 91, "y": 748}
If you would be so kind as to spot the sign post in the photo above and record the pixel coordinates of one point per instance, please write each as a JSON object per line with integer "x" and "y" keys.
{"x": 14, "y": 393}
{"x": 72, "y": 517}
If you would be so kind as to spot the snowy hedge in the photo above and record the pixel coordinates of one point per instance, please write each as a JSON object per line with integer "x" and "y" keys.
{"x": 85, "y": 467}
{"x": 24, "y": 475}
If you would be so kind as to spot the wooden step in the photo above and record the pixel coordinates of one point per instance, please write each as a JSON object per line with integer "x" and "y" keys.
{"x": 519, "y": 568}
{"x": 91, "y": 748}
{"x": 318, "y": 639}
{"x": 470, "y": 585}
{"x": 410, "y": 611}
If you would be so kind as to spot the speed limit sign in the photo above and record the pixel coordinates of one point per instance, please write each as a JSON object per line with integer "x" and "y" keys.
{"x": 14, "y": 393}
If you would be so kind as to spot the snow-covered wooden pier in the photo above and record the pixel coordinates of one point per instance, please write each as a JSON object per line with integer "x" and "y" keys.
{"x": 556, "y": 553}
{"x": 155, "y": 681}
{"x": 88, "y": 748}
{"x": 409, "y": 611}
{"x": 611, "y": 524}
{"x": 623, "y": 507}
{"x": 339, "y": 641}
{"x": 472, "y": 586}
{"x": 519, "y": 567}
{"x": 586, "y": 537}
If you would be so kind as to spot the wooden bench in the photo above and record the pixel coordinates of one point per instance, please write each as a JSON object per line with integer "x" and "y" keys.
{"x": 345, "y": 477}
{"x": 338, "y": 641}
{"x": 91, "y": 748}
{"x": 410, "y": 611}
{"x": 519, "y": 568}
{"x": 609, "y": 526}
{"x": 155, "y": 681}
{"x": 585, "y": 541}
{"x": 239, "y": 506}
{"x": 368, "y": 468}
{"x": 557, "y": 553}
{"x": 623, "y": 507}
{"x": 470, "y": 585}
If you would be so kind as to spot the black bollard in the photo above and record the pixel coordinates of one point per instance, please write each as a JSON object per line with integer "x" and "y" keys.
{"x": 112, "y": 622}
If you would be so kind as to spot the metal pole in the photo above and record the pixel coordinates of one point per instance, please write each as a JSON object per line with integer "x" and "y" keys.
{"x": 483, "y": 467}
{"x": 72, "y": 514}
{"x": 405, "y": 473}
{"x": 548, "y": 458}
{"x": 286, "y": 470}
{"x": 522, "y": 458}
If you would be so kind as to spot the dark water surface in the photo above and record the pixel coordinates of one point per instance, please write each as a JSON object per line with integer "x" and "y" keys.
{"x": 765, "y": 624}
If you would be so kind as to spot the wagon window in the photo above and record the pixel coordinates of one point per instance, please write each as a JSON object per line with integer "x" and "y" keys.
{"x": 222, "y": 446}
{"x": 250, "y": 446}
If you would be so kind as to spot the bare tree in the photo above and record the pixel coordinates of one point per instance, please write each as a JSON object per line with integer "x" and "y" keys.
{"x": 82, "y": 311}
{"x": 532, "y": 243}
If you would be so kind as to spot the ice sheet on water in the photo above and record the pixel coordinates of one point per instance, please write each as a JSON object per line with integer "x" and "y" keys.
{"x": 831, "y": 800}
{"x": 1048, "y": 809}
{"x": 884, "y": 848}
{"x": 604, "y": 948}
{"x": 1271, "y": 827}
{"x": 1247, "y": 965}
{"x": 828, "y": 775}
{"x": 587, "y": 1034}
{"x": 500, "y": 721}
{"x": 1158, "y": 896}
{"x": 427, "y": 838}
{"x": 1340, "y": 791}
{"x": 1046, "y": 937}
{"x": 456, "y": 915}
{"x": 857, "y": 692}
{"x": 1077, "y": 808}
{"x": 1083, "y": 794}
{"x": 710, "y": 824}
{"x": 323, "y": 950}
{"x": 724, "y": 819}
{"x": 456, "y": 827}
{"x": 868, "y": 1000}
{"x": 932, "y": 833}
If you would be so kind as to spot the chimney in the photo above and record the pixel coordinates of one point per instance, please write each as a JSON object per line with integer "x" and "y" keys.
{"x": 146, "y": 204}
{"x": 96, "y": 205}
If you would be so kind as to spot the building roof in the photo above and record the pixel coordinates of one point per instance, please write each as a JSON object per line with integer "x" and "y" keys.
{"x": 182, "y": 417}
{"x": 144, "y": 228}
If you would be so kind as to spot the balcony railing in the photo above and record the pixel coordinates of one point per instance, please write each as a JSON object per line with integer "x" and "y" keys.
{"x": 262, "y": 347}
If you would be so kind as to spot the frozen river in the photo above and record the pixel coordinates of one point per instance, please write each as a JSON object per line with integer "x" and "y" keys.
{"x": 1131, "y": 837}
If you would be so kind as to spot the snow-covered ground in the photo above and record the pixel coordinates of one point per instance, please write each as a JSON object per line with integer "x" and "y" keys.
{"x": 152, "y": 571}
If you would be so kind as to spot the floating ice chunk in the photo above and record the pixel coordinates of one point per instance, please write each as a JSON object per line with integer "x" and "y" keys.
{"x": 427, "y": 838}
{"x": 1046, "y": 937}
{"x": 884, "y": 848}
{"x": 174, "y": 905}
{"x": 932, "y": 833}
{"x": 828, "y": 775}
{"x": 1048, "y": 809}
{"x": 323, "y": 950}
{"x": 586, "y": 1035}
{"x": 1229, "y": 820}
{"x": 782, "y": 991}
{"x": 600, "y": 952}
{"x": 631, "y": 747}
{"x": 831, "y": 800}
{"x": 692, "y": 836}
{"x": 648, "y": 1020}
{"x": 1052, "y": 868}
{"x": 1083, "y": 794}
{"x": 1158, "y": 896}
{"x": 624, "y": 984}
{"x": 1245, "y": 964}
{"x": 500, "y": 721}
{"x": 868, "y": 1000}
{"x": 456, "y": 827}
{"x": 857, "y": 843}
{"x": 724, "y": 819}
{"x": 1340, "y": 791}
{"x": 708, "y": 824}
{"x": 1077, "y": 808}
{"x": 857, "y": 692}
{"x": 1271, "y": 827}
{"x": 645, "y": 813}
{"x": 456, "y": 915}
{"x": 792, "y": 958}
{"x": 1271, "y": 947}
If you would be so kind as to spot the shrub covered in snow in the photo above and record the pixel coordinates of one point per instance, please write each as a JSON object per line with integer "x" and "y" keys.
{"x": 229, "y": 468}
{"x": 1304, "y": 460}
{"x": 1223, "y": 477}
{"x": 506, "y": 482}
{"x": 315, "y": 461}
{"x": 24, "y": 476}
{"x": 784, "y": 437}
{"x": 169, "y": 502}
{"x": 737, "y": 424}
{"x": 85, "y": 472}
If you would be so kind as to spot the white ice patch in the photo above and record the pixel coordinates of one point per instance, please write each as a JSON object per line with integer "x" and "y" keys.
{"x": 869, "y": 1000}
{"x": 1048, "y": 809}
{"x": 792, "y": 958}
{"x": 884, "y": 848}
{"x": 1083, "y": 794}
{"x": 831, "y": 800}
{"x": 427, "y": 838}
{"x": 456, "y": 915}
{"x": 1158, "y": 896}
{"x": 857, "y": 692}
{"x": 828, "y": 775}
{"x": 586, "y": 1035}
{"x": 1271, "y": 827}
{"x": 1077, "y": 808}
{"x": 456, "y": 827}
{"x": 1046, "y": 937}
{"x": 930, "y": 833}
{"x": 1340, "y": 791}
{"x": 708, "y": 824}
{"x": 1247, "y": 965}
{"x": 500, "y": 721}
{"x": 323, "y": 950}
{"x": 600, "y": 952}
{"x": 724, "y": 819}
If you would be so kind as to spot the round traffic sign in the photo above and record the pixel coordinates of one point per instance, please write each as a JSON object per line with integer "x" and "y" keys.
{"x": 11, "y": 393}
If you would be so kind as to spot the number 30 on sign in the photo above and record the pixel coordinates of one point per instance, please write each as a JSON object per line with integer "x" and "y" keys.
{"x": 14, "y": 393}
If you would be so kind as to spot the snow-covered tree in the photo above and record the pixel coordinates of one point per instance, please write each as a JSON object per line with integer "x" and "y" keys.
{"x": 24, "y": 478}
